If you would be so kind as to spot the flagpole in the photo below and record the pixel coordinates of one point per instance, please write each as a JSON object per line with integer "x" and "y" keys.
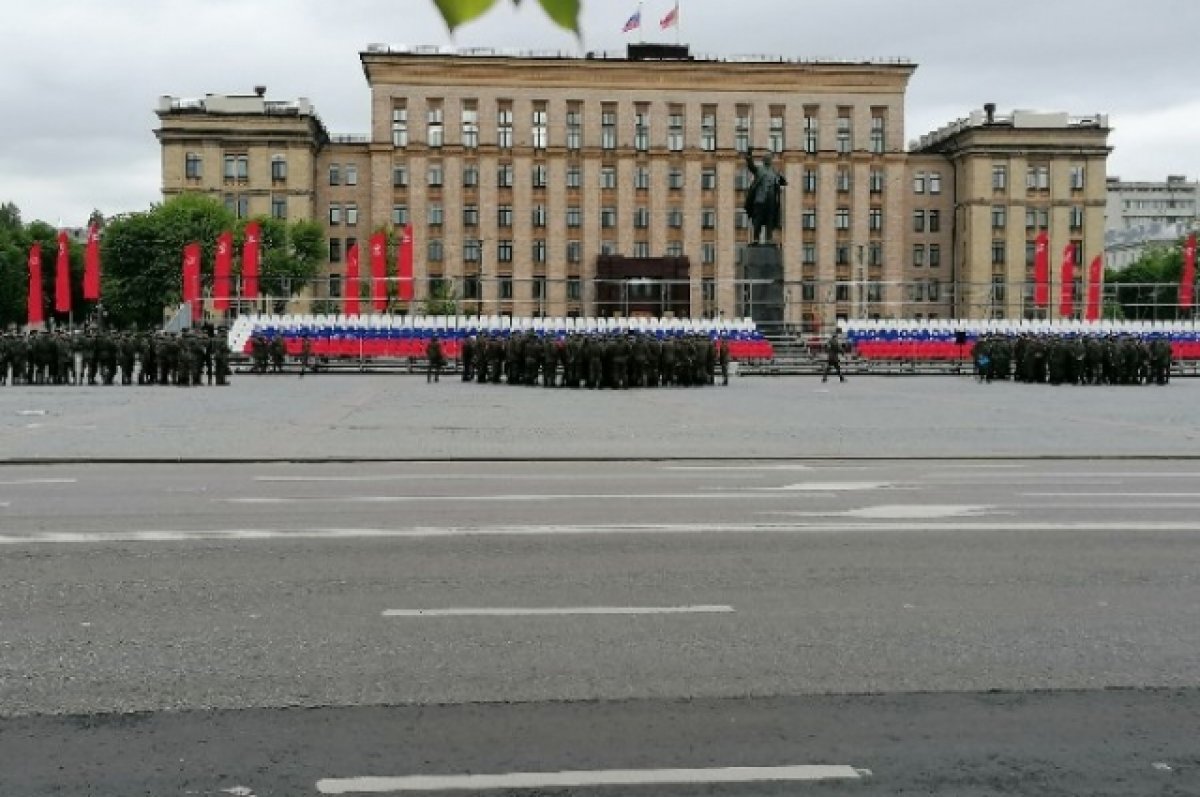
{"x": 678, "y": 23}
{"x": 641, "y": 27}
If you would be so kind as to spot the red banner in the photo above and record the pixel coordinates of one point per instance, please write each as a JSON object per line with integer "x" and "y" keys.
{"x": 379, "y": 272}
{"x": 1095, "y": 286}
{"x": 1066, "y": 304}
{"x": 191, "y": 279}
{"x": 222, "y": 269}
{"x": 1187, "y": 282}
{"x": 36, "y": 316}
{"x": 353, "y": 289}
{"x": 405, "y": 265}
{"x": 91, "y": 266}
{"x": 1041, "y": 270}
{"x": 62, "y": 275}
{"x": 250, "y": 253}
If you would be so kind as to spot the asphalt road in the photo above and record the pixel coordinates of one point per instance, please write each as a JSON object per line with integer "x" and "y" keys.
{"x": 952, "y": 627}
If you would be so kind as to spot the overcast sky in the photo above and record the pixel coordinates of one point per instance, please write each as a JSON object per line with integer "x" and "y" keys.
{"x": 79, "y": 79}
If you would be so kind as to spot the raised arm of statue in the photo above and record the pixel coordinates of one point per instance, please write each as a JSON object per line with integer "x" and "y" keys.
{"x": 750, "y": 161}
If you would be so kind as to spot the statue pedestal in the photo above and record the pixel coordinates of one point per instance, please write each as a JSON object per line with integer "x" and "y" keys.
{"x": 760, "y": 294}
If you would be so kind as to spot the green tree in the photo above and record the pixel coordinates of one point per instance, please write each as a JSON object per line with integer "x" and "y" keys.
{"x": 565, "y": 13}
{"x": 15, "y": 242}
{"x": 1148, "y": 289}
{"x": 441, "y": 299}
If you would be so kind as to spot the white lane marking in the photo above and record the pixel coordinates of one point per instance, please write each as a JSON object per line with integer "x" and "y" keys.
{"x": 730, "y": 495}
{"x": 1098, "y": 475}
{"x": 558, "y": 612}
{"x": 398, "y": 477}
{"x": 586, "y": 779}
{"x": 826, "y": 487}
{"x": 32, "y": 482}
{"x": 916, "y": 511}
{"x": 426, "y": 532}
{"x": 4, "y": 504}
{"x": 1107, "y": 494}
{"x": 735, "y": 467}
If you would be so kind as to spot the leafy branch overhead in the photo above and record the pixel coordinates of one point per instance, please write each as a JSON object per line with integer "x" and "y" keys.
{"x": 565, "y": 13}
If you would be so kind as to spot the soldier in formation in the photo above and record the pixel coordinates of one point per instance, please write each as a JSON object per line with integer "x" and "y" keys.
{"x": 617, "y": 362}
{"x": 102, "y": 357}
{"x": 1074, "y": 359}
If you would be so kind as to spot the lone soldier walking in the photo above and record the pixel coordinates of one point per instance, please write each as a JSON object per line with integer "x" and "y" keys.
{"x": 435, "y": 361}
{"x": 723, "y": 359}
{"x": 833, "y": 357}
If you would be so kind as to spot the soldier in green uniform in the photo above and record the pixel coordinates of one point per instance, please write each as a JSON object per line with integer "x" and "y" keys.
{"x": 434, "y": 360}
{"x": 127, "y": 354}
{"x": 723, "y": 359}
{"x": 221, "y": 355}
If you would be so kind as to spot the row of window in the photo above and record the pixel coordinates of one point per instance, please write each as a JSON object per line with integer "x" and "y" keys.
{"x": 471, "y": 287}
{"x": 1000, "y": 252}
{"x": 239, "y": 206}
{"x": 640, "y": 138}
{"x": 1036, "y": 218}
{"x": 1037, "y": 177}
{"x": 236, "y": 167}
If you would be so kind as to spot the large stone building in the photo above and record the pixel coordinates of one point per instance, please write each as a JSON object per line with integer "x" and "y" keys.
{"x": 1144, "y": 215}
{"x": 549, "y": 184}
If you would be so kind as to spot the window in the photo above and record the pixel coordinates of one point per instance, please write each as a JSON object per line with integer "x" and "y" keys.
{"x": 841, "y": 292}
{"x": 436, "y": 250}
{"x": 608, "y": 177}
{"x": 541, "y": 130}
{"x": 809, "y": 181}
{"x": 1077, "y": 178}
{"x": 608, "y": 247}
{"x": 741, "y": 129}
{"x": 243, "y": 207}
{"x": 434, "y": 129}
{"x": 641, "y": 129}
{"x": 399, "y": 176}
{"x": 874, "y": 254}
{"x": 776, "y": 133}
{"x": 918, "y": 221}
{"x": 574, "y": 216}
{"x": 574, "y": 289}
{"x": 335, "y": 286}
{"x": 918, "y": 255}
{"x": 504, "y": 216}
{"x": 335, "y": 250}
{"x": 675, "y": 218}
{"x": 470, "y": 215}
{"x": 708, "y": 179}
{"x": 399, "y": 215}
{"x": 675, "y": 131}
{"x": 935, "y": 182}
{"x": 919, "y": 183}
{"x": 675, "y": 178}
{"x": 641, "y": 178}
{"x": 674, "y": 249}
{"x": 472, "y": 250}
{"x": 935, "y": 291}
{"x": 999, "y": 292}
{"x": 999, "y": 217}
{"x": 845, "y": 132}
{"x": 999, "y": 255}
{"x": 808, "y": 291}
{"x": 540, "y": 175}
{"x": 935, "y": 221}
{"x": 708, "y": 289}
{"x": 435, "y": 214}
{"x": 708, "y": 219}
{"x": 708, "y": 253}
{"x": 574, "y": 177}
{"x": 278, "y": 207}
{"x": 538, "y": 288}
{"x": 641, "y": 249}
{"x": 193, "y": 166}
{"x": 708, "y": 129}
{"x": 506, "y": 286}
{"x": 351, "y": 215}
{"x": 812, "y": 129}
{"x": 574, "y": 251}
{"x": 400, "y": 126}
{"x": 935, "y": 255}
{"x": 999, "y": 177}
{"x": 504, "y": 252}
{"x": 641, "y": 218}
{"x": 808, "y": 219}
{"x": 351, "y": 174}
{"x": 470, "y": 175}
{"x": 1037, "y": 178}
{"x": 504, "y": 175}
{"x": 539, "y": 215}
{"x": 539, "y": 251}
{"x": 877, "y": 181}
{"x": 237, "y": 167}
{"x": 608, "y": 217}
{"x": 1076, "y": 217}
{"x": 574, "y": 129}
{"x": 335, "y": 215}
{"x": 470, "y": 126}
{"x": 808, "y": 254}
{"x": 471, "y": 288}
{"x": 843, "y": 180}
{"x": 435, "y": 176}
{"x": 842, "y": 219}
{"x": 875, "y": 220}
{"x": 878, "y": 134}
{"x": 278, "y": 168}
{"x": 335, "y": 174}
{"x": 504, "y": 127}
{"x": 742, "y": 220}
{"x": 608, "y": 129}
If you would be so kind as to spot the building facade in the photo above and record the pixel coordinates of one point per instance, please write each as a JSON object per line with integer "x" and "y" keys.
{"x": 602, "y": 185}
{"x": 1144, "y": 215}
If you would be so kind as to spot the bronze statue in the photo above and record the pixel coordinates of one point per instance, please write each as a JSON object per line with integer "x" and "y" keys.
{"x": 764, "y": 198}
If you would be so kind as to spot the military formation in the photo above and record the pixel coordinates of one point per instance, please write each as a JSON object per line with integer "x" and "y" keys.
{"x": 1074, "y": 359}
{"x": 107, "y": 357}
{"x": 268, "y": 353}
{"x": 616, "y": 362}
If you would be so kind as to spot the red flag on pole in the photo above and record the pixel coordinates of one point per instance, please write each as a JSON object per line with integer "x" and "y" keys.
{"x": 191, "y": 279}
{"x": 250, "y": 253}
{"x": 36, "y": 317}
{"x": 379, "y": 272}
{"x": 91, "y": 266}
{"x": 222, "y": 269}
{"x": 1041, "y": 270}
{"x": 672, "y": 18}
{"x": 1095, "y": 284}
{"x": 62, "y": 275}
{"x": 1187, "y": 281}
{"x": 353, "y": 290}
{"x": 1066, "y": 304}
{"x": 405, "y": 265}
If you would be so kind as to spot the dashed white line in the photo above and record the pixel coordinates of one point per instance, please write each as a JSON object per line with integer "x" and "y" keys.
{"x": 758, "y": 494}
{"x": 35, "y": 482}
{"x": 566, "y": 611}
{"x": 588, "y": 779}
